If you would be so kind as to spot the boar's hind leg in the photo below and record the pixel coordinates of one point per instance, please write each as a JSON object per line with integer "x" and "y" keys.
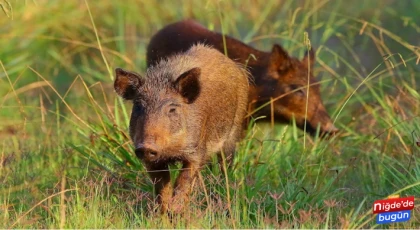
{"x": 161, "y": 178}
{"x": 229, "y": 147}
{"x": 184, "y": 184}
{"x": 228, "y": 151}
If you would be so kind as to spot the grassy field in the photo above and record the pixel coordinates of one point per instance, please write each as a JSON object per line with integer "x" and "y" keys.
{"x": 66, "y": 160}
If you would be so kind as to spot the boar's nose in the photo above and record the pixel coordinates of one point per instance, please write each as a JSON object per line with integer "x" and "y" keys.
{"x": 146, "y": 152}
{"x": 331, "y": 128}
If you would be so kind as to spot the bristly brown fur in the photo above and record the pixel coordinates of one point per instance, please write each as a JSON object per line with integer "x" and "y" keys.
{"x": 188, "y": 107}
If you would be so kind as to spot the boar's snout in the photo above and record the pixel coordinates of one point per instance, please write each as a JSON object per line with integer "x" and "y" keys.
{"x": 330, "y": 128}
{"x": 147, "y": 153}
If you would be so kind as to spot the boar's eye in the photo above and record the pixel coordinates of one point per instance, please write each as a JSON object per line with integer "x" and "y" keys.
{"x": 172, "y": 109}
{"x": 298, "y": 89}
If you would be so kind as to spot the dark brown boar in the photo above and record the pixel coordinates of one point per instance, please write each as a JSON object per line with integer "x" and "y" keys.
{"x": 276, "y": 74}
{"x": 186, "y": 108}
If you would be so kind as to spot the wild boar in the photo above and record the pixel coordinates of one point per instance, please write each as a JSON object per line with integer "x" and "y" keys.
{"x": 188, "y": 107}
{"x": 276, "y": 74}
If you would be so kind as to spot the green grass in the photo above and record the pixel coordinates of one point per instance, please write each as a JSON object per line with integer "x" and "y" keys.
{"x": 66, "y": 160}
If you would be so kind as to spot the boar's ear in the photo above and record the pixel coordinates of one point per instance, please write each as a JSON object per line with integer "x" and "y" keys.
{"x": 188, "y": 84}
{"x": 309, "y": 58}
{"x": 126, "y": 83}
{"x": 279, "y": 59}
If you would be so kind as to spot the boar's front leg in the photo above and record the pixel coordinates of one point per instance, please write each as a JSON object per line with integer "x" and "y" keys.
{"x": 184, "y": 184}
{"x": 159, "y": 173}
